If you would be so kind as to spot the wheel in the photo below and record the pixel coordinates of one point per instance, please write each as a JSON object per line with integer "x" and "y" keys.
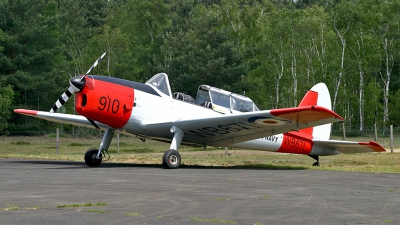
{"x": 172, "y": 159}
{"x": 90, "y": 159}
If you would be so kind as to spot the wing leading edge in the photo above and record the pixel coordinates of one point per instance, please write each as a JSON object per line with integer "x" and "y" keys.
{"x": 220, "y": 130}
{"x": 59, "y": 118}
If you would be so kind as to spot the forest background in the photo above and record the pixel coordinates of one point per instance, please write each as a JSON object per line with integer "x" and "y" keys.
{"x": 272, "y": 51}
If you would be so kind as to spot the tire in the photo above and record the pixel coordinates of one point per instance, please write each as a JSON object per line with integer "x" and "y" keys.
{"x": 90, "y": 159}
{"x": 172, "y": 159}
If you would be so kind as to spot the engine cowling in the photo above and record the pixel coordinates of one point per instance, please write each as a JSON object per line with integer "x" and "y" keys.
{"x": 106, "y": 100}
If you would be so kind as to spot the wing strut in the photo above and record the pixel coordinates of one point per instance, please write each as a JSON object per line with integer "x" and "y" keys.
{"x": 93, "y": 123}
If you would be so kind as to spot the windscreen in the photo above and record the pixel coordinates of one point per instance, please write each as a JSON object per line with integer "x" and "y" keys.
{"x": 241, "y": 105}
{"x": 202, "y": 96}
{"x": 160, "y": 81}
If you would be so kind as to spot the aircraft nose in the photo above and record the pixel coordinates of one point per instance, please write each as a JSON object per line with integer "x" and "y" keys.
{"x": 78, "y": 83}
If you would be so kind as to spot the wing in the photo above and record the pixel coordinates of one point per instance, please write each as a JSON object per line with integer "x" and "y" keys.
{"x": 60, "y": 118}
{"x": 229, "y": 129}
{"x": 347, "y": 147}
{"x": 222, "y": 130}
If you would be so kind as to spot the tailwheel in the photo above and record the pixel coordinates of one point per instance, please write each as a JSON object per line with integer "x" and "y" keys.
{"x": 172, "y": 159}
{"x": 91, "y": 158}
{"x": 316, "y": 157}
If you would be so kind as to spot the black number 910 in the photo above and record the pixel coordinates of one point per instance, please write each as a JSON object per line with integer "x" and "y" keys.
{"x": 108, "y": 103}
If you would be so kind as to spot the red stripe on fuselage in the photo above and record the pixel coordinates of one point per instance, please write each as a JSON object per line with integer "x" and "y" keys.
{"x": 297, "y": 143}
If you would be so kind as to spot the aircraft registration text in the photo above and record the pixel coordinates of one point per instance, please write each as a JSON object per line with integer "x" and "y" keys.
{"x": 221, "y": 129}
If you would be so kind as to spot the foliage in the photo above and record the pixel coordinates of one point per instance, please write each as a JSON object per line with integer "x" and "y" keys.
{"x": 6, "y": 97}
{"x": 271, "y": 50}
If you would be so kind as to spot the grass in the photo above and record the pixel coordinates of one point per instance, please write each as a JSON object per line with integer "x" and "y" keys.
{"x": 10, "y": 207}
{"x": 81, "y": 205}
{"x": 20, "y": 143}
{"x": 133, "y": 214}
{"x": 133, "y": 150}
{"x": 212, "y": 220}
{"x": 221, "y": 199}
{"x": 13, "y": 207}
{"x": 96, "y": 211}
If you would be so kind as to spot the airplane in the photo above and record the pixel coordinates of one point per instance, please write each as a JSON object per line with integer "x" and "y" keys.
{"x": 215, "y": 118}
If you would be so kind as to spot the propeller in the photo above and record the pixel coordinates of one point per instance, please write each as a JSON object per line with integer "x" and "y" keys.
{"x": 76, "y": 85}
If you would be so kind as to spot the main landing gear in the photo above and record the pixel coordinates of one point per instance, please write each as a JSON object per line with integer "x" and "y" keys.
{"x": 94, "y": 156}
{"x": 91, "y": 158}
{"x": 316, "y": 157}
{"x": 172, "y": 158}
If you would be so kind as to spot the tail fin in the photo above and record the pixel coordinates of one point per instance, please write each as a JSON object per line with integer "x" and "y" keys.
{"x": 318, "y": 95}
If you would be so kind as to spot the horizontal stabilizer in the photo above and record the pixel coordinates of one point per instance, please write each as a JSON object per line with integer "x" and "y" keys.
{"x": 347, "y": 147}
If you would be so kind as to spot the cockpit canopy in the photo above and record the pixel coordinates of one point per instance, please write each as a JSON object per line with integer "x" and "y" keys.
{"x": 160, "y": 82}
{"x": 221, "y": 98}
{"x": 211, "y": 97}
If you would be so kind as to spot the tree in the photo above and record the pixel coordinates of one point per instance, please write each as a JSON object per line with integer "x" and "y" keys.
{"x": 389, "y": 31}
{"x": 6, "y": 97}
{"x": 373, "y": 107}
{"x": 273, "y": 51}
{"x": 138, "y": 26}
{"x": 365, "y": 50}
{"x": 201, "y": 52}
{"x": 79, "y": 22}
{"x": 118, "y": 61}
{"x": 342, "y": 19}
{"x": 30, "y": 51}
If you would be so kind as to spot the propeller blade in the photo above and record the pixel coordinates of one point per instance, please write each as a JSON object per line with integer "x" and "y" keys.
{"x": 94, "y": 64}
{"x": 76, "y": 85}
{"x": 64, "y": 98}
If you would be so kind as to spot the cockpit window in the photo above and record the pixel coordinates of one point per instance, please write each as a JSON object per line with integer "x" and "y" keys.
{"x": 220, "y": 99}
{"x": 160, "y": 81}
{"x": 230, "y": 101}
{"x": 202, "y": 96}
{"x": 184, "y": 97}
{"x": 242, "y": 105}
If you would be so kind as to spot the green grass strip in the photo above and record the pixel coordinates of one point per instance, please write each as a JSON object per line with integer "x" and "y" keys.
{"x": 212, "y": 220}
{"x": 81, "y": 205}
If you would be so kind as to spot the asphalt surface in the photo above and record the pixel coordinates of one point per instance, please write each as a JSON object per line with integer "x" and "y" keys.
{"x": 38, "y": 191}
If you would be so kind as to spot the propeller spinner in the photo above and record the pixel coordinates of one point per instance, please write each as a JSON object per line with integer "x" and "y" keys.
{"x": 76, "y": 85}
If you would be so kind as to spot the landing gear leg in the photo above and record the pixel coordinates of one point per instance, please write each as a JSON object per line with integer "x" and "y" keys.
{"x": 172, "y": 158}
{"x": 94, "y": 156}
{"x": 316, "y": 157}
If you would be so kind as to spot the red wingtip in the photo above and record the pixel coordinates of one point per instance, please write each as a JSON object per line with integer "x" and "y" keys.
{"x": 26, "y": 112}
{"x": 305, "y": 114}
{"x": 374, "y": 146}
